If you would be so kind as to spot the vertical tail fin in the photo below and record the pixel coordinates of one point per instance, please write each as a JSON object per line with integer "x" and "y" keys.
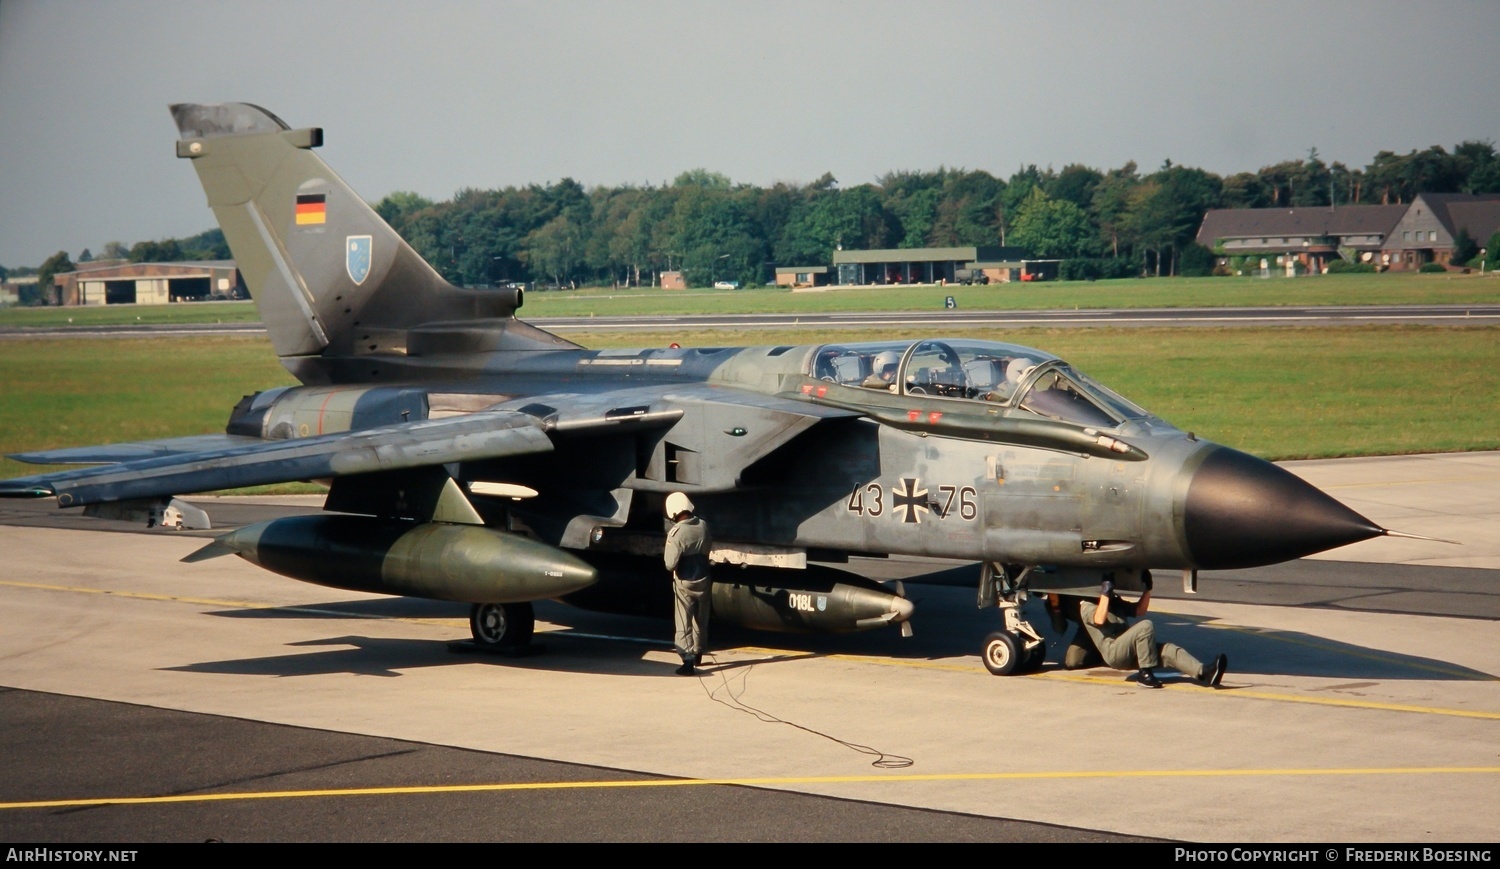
{"x": 328, "y": 275}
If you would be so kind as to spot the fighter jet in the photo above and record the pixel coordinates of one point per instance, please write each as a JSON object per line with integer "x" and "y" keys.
{"x": 473, "y": 457}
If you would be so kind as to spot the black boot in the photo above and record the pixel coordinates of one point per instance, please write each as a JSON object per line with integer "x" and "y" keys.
{"x": 1147, "y": 679}
{"x": 1215, "y": 674}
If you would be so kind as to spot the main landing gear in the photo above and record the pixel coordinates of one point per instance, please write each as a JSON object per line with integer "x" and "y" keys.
{"x": 1018, "y": 648}
{"x": 502, "y": 627}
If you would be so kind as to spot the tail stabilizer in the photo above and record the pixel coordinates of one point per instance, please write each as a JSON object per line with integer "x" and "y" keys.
{"x": 329, "y": 277}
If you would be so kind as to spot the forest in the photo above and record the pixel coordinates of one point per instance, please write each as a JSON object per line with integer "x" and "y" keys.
{"x": 1105, "y": 223}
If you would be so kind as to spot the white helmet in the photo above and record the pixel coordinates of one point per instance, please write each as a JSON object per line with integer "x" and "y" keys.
{"x": 886, "y": 362}
{"x": 677, "y": 504}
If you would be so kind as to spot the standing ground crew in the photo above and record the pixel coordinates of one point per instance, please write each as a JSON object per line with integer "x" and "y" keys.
{"x": 1125, "y": 646}
{"x": 686, "y": 555}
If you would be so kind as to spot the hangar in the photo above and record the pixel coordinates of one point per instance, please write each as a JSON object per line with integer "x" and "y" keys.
{"x": 922, "y": 265}
{"x": 126, "y": 283}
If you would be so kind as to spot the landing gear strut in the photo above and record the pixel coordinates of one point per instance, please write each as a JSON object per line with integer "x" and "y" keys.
{"x": 1019, "y": 648}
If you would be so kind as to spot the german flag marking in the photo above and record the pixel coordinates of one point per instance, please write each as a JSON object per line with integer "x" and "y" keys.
{"x": 312, "y": 208}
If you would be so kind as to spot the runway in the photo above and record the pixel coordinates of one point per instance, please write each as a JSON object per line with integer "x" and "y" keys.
{"x": 941, "y": 319}
{"x": 956, "y": 319}
{"x": 154, "y": 701}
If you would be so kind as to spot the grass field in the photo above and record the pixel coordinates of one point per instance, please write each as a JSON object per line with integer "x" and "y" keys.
{"x": 119, "y": 315}
{"x": 1277, "y": 392}
{"x": 1386, "y": 289}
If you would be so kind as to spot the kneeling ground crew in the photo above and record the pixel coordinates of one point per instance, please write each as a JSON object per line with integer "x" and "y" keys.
{"x": 1125, "y": 646}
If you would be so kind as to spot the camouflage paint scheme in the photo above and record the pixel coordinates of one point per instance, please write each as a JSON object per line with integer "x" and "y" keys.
{"x": 428, "y": 406}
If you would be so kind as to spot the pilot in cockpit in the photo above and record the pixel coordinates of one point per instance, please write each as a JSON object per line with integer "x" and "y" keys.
{"x": 883, "y": 371}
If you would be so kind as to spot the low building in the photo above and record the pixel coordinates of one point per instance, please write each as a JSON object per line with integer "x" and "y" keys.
{"x": 1312, "y": 236}
{"x": 117, "y": 283}
{"x": 1428, "y": 231}
{"x": 801, "y": 276}
{"x": 673, "y": 281}
{"x": 924, "y": 265}
{"x": 1401, "y": 237}
{"x": 11, "y": 290}
{"x": 1040, "y": 270}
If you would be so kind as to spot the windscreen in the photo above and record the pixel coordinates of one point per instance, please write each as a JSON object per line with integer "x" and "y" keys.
{"x": 1058, "y": 393}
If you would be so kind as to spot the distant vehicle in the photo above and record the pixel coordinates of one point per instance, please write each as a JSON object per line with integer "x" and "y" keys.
{"x": 726, "y": 285}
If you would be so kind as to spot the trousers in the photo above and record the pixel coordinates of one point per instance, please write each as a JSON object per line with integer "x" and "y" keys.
{"x": 1136, "y": 647}
{"x": 692, "y": 599}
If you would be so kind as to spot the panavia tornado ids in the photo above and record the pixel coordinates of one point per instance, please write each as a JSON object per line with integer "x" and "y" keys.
{"x": 473, "y": 457}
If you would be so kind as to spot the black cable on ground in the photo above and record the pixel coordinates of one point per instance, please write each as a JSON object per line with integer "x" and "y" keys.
{"x": 734, "y": 701}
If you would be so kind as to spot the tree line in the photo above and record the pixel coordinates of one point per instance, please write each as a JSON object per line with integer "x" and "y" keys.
{"x": 1105, "y": 223}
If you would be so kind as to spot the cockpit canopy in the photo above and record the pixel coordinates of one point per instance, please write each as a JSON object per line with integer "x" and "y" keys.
{"x": 977, "y": 371}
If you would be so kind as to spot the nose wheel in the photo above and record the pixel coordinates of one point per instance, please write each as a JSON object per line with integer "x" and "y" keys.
{"x": 1006, "y": 654}
{"x": 1002, "y": 653}
{"x": 1019, "y": 648}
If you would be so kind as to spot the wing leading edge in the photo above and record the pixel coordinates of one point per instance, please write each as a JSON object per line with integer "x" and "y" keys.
{"x": 474, "y": 437}
{"x": 136, "y": 450}
{"x": 746, "y": 426}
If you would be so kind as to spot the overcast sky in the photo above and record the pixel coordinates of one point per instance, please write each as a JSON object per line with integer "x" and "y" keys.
{"x": 446, "y": 94}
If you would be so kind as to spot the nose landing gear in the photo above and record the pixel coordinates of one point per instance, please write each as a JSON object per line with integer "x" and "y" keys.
{"x": 1018, "y": 648}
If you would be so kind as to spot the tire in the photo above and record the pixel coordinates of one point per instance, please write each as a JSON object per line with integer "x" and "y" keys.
{"x": 501, "y": 625}
{"x": 1002, "y": 653}
{"x": 1035, "y": 657}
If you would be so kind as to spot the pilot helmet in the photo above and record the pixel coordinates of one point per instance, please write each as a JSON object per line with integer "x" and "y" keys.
{"x": 677, "y": 504}
{"x": 1018, "y": 368}
{"x": 886, "y": 362}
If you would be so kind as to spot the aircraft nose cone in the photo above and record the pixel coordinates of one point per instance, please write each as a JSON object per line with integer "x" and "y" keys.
{"x": 1241, "y": 511}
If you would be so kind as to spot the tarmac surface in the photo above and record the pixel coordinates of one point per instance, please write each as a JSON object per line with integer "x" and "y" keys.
{"x": 146, "y": 700}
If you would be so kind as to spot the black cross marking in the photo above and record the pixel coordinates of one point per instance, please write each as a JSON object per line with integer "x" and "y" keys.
{"x": 911, "y": 498}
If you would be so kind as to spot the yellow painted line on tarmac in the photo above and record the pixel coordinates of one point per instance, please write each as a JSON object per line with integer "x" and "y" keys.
{"x": 861, "y": 659}
{"x": 1480, "y": 478}
{"x": 1366, "y": 704}
{"x": 779, "y": 781}
{"x": 857, "y": 659}
{"x": 228, "y": 604}
{"x": 1250, "y": 693}
{"x": 920, "y": 665}
{"x": 1332, "y": 647}
{"x": 138, "y": 595}
{"x": 1117, "y": 679}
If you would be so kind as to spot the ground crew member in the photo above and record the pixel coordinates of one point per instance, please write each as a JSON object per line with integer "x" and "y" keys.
{"x": 1125, "y": 646}
{"x": 686, "y": 555}
{"x": 1080, "y": 653}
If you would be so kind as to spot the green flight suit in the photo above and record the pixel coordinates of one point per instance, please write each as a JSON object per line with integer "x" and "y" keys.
{"x": 686, "y": 555}
{"x": 1130, "y": 647}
